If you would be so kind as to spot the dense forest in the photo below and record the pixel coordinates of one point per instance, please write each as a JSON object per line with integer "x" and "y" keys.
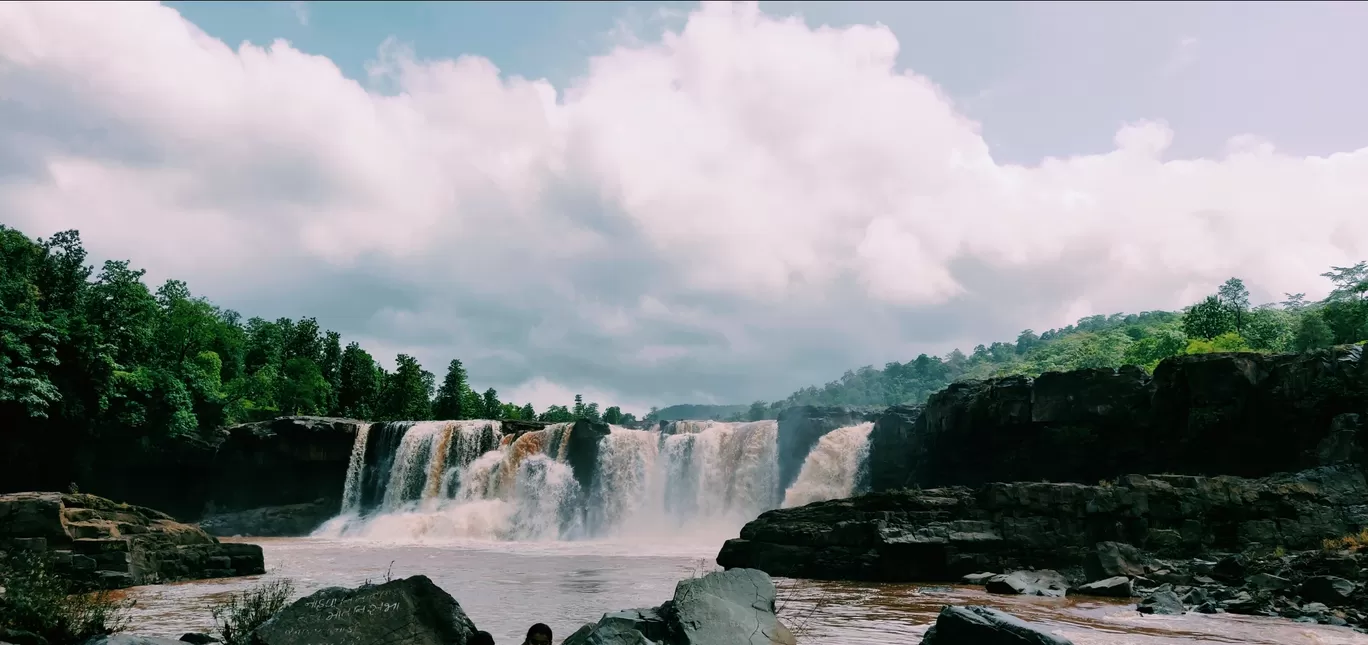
{"x": 103, "y": 353}
{"x": 1223, "y": 322}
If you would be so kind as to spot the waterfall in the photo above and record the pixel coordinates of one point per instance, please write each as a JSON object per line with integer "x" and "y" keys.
{"x": 832, "y": 468}
{"x": 453, "y": 479}
{"x": 689, "y": 480}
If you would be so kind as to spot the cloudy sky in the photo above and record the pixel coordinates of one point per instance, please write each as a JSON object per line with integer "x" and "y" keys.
{"x": 664, "y": 203}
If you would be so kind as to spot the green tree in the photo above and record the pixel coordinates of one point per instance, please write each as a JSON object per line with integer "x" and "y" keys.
{"x": 407, "y": 393}
{"x": 1270, "y": 329}
{"x": 1208, "y": 319}
{"x": 757, "y": 411}
{"x": 1351, "y": 283}
{"x": 493, "y": 409}
{"x": 1347, "y": 319}
{"x": 358, "y": 394}
{"x": 612, "y": 415}
{"x": 579, "y": 407}
{"x": 302, "y": 390}
{"x": 1227, "y": 342}
{"x": 1156, "y": 346}
{"x": 452, "y": 393}
{"x": 528, "y": 412}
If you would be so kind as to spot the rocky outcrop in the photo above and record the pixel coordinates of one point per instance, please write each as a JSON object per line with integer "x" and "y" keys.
{"x": 293, "y": 520}
{"x": 975, "y": 625}
{"x": 943, "y": 534}
{"x": 1239, "y": 414}
{"x": 800, "y": 428}
{"x": 106, "y": 545}
{"x": 733, "y": 607}
{"x": 411, "y": 611}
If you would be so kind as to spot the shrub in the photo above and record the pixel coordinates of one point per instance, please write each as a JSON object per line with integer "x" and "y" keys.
{"x": 1353, "y": 542}
{"x": 35, "y": 599}
{"x": 237, "y": 617}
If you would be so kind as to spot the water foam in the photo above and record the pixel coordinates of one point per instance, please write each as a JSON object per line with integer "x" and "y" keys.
{"x": 832, "y": 469}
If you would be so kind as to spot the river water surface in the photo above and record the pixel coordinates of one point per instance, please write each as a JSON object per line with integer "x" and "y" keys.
{"x": 506, "y": 586}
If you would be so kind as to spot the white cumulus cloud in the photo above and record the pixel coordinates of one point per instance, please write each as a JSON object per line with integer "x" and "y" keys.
{"x": 739, "y": 208}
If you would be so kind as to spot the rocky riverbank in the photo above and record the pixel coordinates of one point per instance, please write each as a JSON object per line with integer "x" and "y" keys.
{"x": 101, "y": 544}
{"x": 1274, "y": 545}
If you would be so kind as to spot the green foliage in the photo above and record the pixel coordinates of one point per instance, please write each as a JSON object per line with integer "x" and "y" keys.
{"x": 86, "y": 354}
{"x": 1222, "y": 322}
{"x": 243, "y": 612}
{"x": 38, "y": 601}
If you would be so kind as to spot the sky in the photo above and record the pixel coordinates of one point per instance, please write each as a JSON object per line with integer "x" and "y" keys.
{"x": 657, "y": 203}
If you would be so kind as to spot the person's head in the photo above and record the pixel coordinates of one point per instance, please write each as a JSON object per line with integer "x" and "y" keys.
{"x": 538, "y": 634}
{"x": 482, "y": 638}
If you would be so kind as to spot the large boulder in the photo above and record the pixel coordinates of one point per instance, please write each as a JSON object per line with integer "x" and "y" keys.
{"x": 411, "y": 611}
{"x": 944, "y": 534}
{"x": 891, "y": 441}
{"x": 975, "y": 625}
{"x": 100, "y": 543}
{"x": 733, "y": 607}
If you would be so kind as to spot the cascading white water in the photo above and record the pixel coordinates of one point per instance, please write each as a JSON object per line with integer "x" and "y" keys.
{"x": 351, "y": 491}
{"x": 832, "y": 469}
{"x": 706, "y": 480}
{"x": 697, "y": 481}
{"x": 442, "y": 485}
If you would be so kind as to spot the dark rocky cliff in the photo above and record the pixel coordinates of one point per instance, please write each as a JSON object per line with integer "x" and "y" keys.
{"x": 1239, "y": 414}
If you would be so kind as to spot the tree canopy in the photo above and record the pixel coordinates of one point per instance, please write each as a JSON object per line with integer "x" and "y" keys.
{"x": 102, "y": 353}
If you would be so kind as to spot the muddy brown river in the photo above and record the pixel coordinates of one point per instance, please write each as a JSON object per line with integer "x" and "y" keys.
{"x": 506, "y": 586}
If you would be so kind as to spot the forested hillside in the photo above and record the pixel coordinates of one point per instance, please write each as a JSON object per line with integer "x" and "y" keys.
{"x": 1222, "y": 322}
{"x": 101, "y": 352}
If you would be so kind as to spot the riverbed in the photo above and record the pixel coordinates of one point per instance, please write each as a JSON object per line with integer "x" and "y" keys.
{"x": 506, "y": 586}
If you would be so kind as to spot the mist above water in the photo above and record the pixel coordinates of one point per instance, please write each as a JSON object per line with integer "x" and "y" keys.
{"x": 694, "y": 482}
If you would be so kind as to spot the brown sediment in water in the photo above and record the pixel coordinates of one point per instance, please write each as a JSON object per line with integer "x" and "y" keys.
{"x": 439, "y": 459}
{"x": 570, "y": 584}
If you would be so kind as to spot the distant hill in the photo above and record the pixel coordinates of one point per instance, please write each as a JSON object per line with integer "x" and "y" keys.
{"x": 698, "y": 412}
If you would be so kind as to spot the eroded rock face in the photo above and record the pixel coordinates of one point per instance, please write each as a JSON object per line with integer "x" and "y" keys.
{"x": 109, "y": 545}
{"x": 411, "y": 611}
{"x": 1212, "y": 414}
{"x": 733, "y": 607}
{"x": 272, "y": 521}
{"x": 944, "y": 534}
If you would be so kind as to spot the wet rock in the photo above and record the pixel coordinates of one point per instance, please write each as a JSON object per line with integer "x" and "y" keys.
{"x": 1029, "y": 583}
{"x": 1231, "y": 568}
{"x": 411, "y": 611}
{"x": 1331, "y": 590}
{"x": 1247, "y": 604}
{"x": 128, "y": 639}
{"x": 1113, "y": 587}
{"x": 1268, "y": 582}
{"x": 198, "y": 638}
{"x": 1111, "y": 559}
{"x": 1164, "y": 601}
{"x": 977, "y": 578}
{"x": 734, "y": 607}
{"x": 293, "y": 520}
{"x": 975, "y": 625}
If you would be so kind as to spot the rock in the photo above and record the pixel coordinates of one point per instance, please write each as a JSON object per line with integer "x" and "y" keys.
{"x": 198, "y": 638}
{"x": 733, "y": 607}
{"x": 1030, "y": 583}
{"x": 940, "y": 535}
{"x": 1114, "y": 587}
{"x": 103, "y": 544}
{"x": 975, "y": 625}
{"x": 1330, "y": 590}
{"x": 128, "y": 639}
{"x": 1243, "y": 414}
{"x": 1268, "y": 582}
{"x": 20, "y": 637}
{"x": 1111, "y": 559}
{"x": 294, "y": 520}
{"x": 411, "y": 611}
{"x": 977, "y": 578}
{"x": 1161, "y": 602}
